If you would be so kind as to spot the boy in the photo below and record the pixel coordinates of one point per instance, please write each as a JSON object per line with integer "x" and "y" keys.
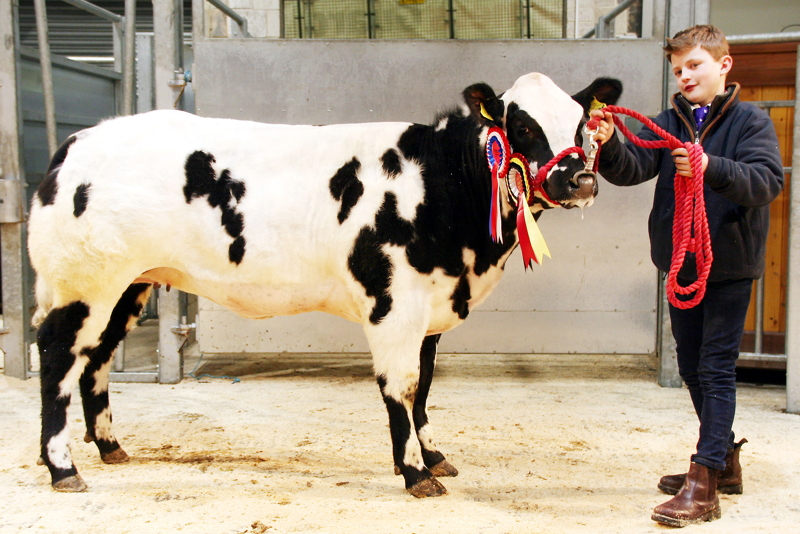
{"x": 743, "y": 173}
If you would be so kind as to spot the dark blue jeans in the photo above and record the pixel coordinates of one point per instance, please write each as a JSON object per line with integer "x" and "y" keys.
{"x": 708, "y": 338}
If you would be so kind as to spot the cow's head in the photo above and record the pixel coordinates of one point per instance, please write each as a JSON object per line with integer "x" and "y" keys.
{"x": 540, "y": 121}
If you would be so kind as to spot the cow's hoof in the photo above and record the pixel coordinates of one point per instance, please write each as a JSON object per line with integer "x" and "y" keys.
{"x": 117, "y": 456}
{"x": 430, "y": 487}
{"x": 444, "y": 469}
{"x": 71, "y": 484}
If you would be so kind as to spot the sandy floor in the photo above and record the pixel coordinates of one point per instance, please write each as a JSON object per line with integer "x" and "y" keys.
{"x": 545, "y": 444}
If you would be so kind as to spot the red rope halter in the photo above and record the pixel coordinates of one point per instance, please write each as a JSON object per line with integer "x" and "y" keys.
{"x": 690, "y": 225}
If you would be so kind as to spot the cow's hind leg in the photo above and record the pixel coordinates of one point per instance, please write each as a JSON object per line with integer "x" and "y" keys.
{"x": 94, "y": 381}
{"x": 60, "y": 370}
{"x": 68, "y": 339}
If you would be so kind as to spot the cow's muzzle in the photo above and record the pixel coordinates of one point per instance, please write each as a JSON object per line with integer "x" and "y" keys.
{"x": 583, "y": 185}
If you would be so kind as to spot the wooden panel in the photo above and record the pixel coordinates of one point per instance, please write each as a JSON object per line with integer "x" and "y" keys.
{"x": 764, "y": 64}
{"x": 775, "y": 275}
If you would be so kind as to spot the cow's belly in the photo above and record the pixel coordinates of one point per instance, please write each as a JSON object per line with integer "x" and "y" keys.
{"x": 262, "y": 300}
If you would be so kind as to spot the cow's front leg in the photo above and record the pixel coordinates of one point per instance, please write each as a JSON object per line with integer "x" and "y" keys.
{"x": 396, "y": 359}
{"x": 407, "y": 452}
{"x": 434, "y": 460}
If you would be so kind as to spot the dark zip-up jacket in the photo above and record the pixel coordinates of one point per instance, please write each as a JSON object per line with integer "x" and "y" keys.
{"x": 744, "y": 174}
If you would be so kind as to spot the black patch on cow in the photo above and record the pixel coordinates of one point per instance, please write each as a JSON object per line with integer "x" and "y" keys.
{"x": 367, "y": 261}
{"x": 222, "y": 192}
{"x": 48, "y": 188}
{"x": 346, "y": 188}
{"x": 453, "y": 215}
{"x": 461, "y": 296}
{"x": 80, "y": 200}
{"x": 525, "y": 134}
{"x": 373, "y": 269}
{"x": 236, "y": 250}
{"x": 391, "y": 163}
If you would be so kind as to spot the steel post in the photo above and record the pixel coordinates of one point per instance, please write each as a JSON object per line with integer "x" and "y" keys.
{"x": 793, "y": 285}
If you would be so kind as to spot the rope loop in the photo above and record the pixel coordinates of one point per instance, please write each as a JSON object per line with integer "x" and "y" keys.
{"x": 690, "y": 233}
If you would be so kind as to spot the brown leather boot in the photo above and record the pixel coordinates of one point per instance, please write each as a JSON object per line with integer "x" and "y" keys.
{"x": 696, "y": 501}
{"x": 730, "y": 479}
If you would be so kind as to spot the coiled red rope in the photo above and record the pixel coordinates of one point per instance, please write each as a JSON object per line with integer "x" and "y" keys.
{"x": 690, "y": 225}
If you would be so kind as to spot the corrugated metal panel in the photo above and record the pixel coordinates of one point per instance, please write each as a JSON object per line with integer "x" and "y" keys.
{"x": 74, "y": 32}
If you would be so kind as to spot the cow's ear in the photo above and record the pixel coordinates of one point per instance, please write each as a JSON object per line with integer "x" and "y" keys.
{"x": 603, "y": 90}
{"x": 484, "y": 104}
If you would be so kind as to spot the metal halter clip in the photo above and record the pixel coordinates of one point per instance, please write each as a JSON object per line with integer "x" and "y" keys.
{"x": 593, "y": 146}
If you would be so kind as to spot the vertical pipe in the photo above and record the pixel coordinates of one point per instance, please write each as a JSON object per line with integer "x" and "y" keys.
{"x": 16, "y": 324}
{"x": 759, "y": 330}
{"x": 47, "y": 76}
{"x": 167, "y": 39}
{"x": 528, "y": 17}
{"x": 129, "y": 55}
{"x": 793, "y": 283}
{"x": 452, "y": 12}
{"x": 370, "y": 20}
{"x": 299, "y": 19}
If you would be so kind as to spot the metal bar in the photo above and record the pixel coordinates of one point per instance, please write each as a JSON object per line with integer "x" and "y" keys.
{"x": 370, "y": 19}
{"x": 63, "y": 62}
{"x": 95, "y": 10}
{"x": 773, "y": 103}
{"x": 119, "y": 357}
{"x": 170, "y": 356}
{"x": 237, "y": 18}
{"x": 668, "y": 374}
{"x": 47, "y": 76}
{"x": 759, "y": 330}
{"x": 793, "y": 283}
{"x": 130, "y": 376}
{"x": 129, "y": 57}
{"x": 451, "y": 11}
{"x": 600, "y": 30}
{"x": 167, "y": 42}
{"x": 758, "y": 38}
{"x": 16, "y": 321}
{"x": 647, "y": 19}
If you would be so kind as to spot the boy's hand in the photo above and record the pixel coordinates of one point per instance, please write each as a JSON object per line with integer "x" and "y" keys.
{"x": 605, "y": 129}
{"x": 681, "y": 158}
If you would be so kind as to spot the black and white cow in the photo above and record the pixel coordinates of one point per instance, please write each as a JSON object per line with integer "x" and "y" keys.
{"x": 384, "y": 224}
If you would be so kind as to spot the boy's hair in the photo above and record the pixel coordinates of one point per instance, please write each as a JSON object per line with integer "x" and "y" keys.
{"x": 710, "y": 38}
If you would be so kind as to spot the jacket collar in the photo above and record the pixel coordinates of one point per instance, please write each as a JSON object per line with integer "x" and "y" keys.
{"x": 719, "y": 106}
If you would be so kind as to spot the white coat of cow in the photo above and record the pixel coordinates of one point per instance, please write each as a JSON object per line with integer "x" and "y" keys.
{"x": 384, "y": 224}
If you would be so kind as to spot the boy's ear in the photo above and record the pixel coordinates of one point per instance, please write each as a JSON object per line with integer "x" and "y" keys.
{"x": 603, "y": 91}
{"x": 484, "y": 105}
{"x": 727, "y": 64}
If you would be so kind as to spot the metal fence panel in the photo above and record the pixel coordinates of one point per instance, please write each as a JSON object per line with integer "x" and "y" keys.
{"x": 423, "y": 19}
{"x": 578, "y": 302}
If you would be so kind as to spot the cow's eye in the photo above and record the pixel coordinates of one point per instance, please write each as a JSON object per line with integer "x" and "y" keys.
{"x": 523, "y": 130}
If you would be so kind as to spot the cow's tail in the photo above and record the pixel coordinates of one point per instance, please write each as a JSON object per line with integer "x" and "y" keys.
{"x": 44, "y": 301}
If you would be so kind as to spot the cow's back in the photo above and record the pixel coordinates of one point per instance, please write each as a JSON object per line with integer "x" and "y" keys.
{"x": 225, "y": 202}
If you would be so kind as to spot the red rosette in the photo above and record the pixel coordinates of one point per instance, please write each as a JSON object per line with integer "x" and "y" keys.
{"x": 497, "y": 151}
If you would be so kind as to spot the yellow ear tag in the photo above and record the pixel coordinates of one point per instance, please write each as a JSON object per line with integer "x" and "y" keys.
{"x": 596, "y": 104}
{"x": 485, "y": 113}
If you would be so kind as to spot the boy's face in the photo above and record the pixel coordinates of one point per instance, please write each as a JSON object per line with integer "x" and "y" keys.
{"x": 700, "y": 77}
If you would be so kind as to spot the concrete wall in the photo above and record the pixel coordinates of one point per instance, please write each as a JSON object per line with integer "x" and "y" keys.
{"x": 596, "y": 295}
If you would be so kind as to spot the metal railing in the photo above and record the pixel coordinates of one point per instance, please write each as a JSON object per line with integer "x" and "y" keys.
{"x": 236, "y": 17}
{"x": 123, "y": 29}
